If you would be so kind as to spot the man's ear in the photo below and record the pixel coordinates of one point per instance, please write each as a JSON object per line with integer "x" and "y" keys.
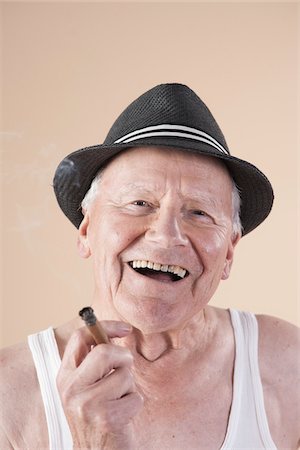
{"x": 229, "y": 257}
{"x": 82, "y": 240}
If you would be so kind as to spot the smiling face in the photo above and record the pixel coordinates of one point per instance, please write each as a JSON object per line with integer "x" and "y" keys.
{"x": 160, "y": 233}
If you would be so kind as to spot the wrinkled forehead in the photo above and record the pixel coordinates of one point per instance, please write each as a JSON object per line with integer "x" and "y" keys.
{"x": 154, "y": 173}
{"x": 141, "y": 160}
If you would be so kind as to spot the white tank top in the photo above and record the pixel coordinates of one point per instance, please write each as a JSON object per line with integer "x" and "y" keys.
{"x": 247, "y": 427}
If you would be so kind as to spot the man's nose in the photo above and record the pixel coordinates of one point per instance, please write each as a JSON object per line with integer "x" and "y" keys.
{"x": 166, "y": 230}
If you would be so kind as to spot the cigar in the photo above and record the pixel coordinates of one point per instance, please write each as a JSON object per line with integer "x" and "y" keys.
{"x": 93, "y": 325}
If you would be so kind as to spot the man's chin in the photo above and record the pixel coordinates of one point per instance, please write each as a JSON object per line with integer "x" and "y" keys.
{"x": 148, "y": 314}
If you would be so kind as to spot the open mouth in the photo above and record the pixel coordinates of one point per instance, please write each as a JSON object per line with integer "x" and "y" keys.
{"x": 157, "y": 271}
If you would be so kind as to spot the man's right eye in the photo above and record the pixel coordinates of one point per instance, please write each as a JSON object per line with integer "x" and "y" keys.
{"x": 141, "y": 203}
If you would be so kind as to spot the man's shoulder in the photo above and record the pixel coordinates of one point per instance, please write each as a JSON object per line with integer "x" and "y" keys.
{"x": 279, "y": 346}
{"x": 21, "y": 409}
{"x": 18, "y": 381}
{"x": 17, "y": 375}
{"x": 279, "y": 341}
{"x": 279, "y": 364}
{"x": 279, "y": 350}
{"x": 15, "y": 362}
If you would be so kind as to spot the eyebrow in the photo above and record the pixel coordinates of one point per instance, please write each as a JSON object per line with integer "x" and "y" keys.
{"x": 134, "y": 186}
{"x": 199, "y": 197}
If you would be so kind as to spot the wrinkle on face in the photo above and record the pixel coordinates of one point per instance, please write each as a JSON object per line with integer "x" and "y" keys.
{"x": 174, "y": 185}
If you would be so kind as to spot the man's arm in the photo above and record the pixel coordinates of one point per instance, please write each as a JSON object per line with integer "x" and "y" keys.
{"x": 22, "y": 417}
{"x": 7, "y": 397}
{"x": 279, "y": 361}
{"x": 4, "y": 442}
{"x": 98, "y": 391}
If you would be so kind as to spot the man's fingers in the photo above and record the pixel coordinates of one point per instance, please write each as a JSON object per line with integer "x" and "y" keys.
{"x": 97, "y": 388}
{"x": 115, "y": 328}
{"x": 111, "y": 416}
{"x": 81, "y": 341}
{"x": 132, "y": 402}
{"x": 101, "y": 360}
{"x": 78, "y": 346}
{"x": 117, "y": 384}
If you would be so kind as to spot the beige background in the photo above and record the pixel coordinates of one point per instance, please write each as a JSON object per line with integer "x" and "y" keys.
{"x": 70, "y": 68}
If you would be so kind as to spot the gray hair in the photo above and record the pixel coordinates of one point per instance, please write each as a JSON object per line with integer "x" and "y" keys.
{"x": 92, "y": 192}
{"x": 237, "y": 227}
{"x": 236, "y": 202}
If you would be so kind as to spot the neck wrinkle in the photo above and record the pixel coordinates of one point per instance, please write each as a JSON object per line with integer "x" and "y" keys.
{"x": 159, "y": 378}
{"x": 154, "y": 347}
{"x": 173, "y": 347}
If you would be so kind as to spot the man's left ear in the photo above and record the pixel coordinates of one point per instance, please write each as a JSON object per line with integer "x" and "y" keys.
{"x": 229, "y": 257}
{"x": 82, "y": 240}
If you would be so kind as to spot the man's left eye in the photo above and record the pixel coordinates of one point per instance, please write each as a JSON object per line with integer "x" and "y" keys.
{"x": 141, "y": 203}
{"x": 199, "y": 213}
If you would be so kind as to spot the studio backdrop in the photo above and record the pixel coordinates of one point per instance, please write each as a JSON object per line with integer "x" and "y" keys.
{"x": 69, "y": 69}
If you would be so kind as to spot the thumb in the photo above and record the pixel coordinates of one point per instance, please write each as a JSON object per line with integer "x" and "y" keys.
{"x": 81, "y": 341}
{"x": 116, "y": 328}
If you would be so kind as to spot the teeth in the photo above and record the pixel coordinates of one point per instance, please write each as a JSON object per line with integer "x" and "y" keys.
{"x": 182, "y": 273}
{"x": 177, "y": 270}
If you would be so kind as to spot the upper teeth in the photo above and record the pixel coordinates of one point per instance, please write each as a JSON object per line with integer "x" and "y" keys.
{"x": 142, "y": 264}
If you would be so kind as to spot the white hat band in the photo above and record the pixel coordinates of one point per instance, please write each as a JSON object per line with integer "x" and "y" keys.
{"x": 175, "y": 130}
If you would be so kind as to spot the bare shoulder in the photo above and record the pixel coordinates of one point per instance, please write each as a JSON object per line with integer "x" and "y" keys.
{"x": 10, "y": 357}
{"x": 279, "y": 344}
{"x": 20, "y": 397}
{"x": 279, "y": 361}
{"x": 17, "y": 371}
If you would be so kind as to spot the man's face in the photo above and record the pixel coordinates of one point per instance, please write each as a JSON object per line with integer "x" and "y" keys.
{"x": 159, "y": 208}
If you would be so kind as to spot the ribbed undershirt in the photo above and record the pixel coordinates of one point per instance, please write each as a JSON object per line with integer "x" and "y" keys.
{"x": 247, "y": 427}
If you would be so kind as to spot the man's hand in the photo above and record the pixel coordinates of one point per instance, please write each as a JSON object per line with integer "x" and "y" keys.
{"x": 98, "y": 391}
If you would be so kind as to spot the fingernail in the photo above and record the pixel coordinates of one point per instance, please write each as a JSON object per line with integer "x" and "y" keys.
{"x": 125, "y": 327}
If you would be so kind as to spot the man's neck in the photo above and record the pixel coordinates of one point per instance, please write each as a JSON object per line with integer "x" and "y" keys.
{"x": 177, "y": 342}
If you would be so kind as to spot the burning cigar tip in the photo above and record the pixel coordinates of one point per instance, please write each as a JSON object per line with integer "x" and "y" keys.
{"x": 94, "y": 327}
{"x": 87, "y": 314}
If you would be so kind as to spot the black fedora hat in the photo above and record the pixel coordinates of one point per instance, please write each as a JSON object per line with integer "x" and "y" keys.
{"x": 168, "y": 115}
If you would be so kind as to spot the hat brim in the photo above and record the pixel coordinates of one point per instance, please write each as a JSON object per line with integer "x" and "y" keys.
{"x": 76, "y": 172}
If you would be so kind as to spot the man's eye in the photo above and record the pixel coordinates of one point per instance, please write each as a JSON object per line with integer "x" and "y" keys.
{"x": 201, "y": 215}
{"x": 141, "y": 203}
{"x": 198, "y": 212}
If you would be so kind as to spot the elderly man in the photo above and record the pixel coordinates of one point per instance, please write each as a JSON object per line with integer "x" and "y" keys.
{"x": 163, "y": 205}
